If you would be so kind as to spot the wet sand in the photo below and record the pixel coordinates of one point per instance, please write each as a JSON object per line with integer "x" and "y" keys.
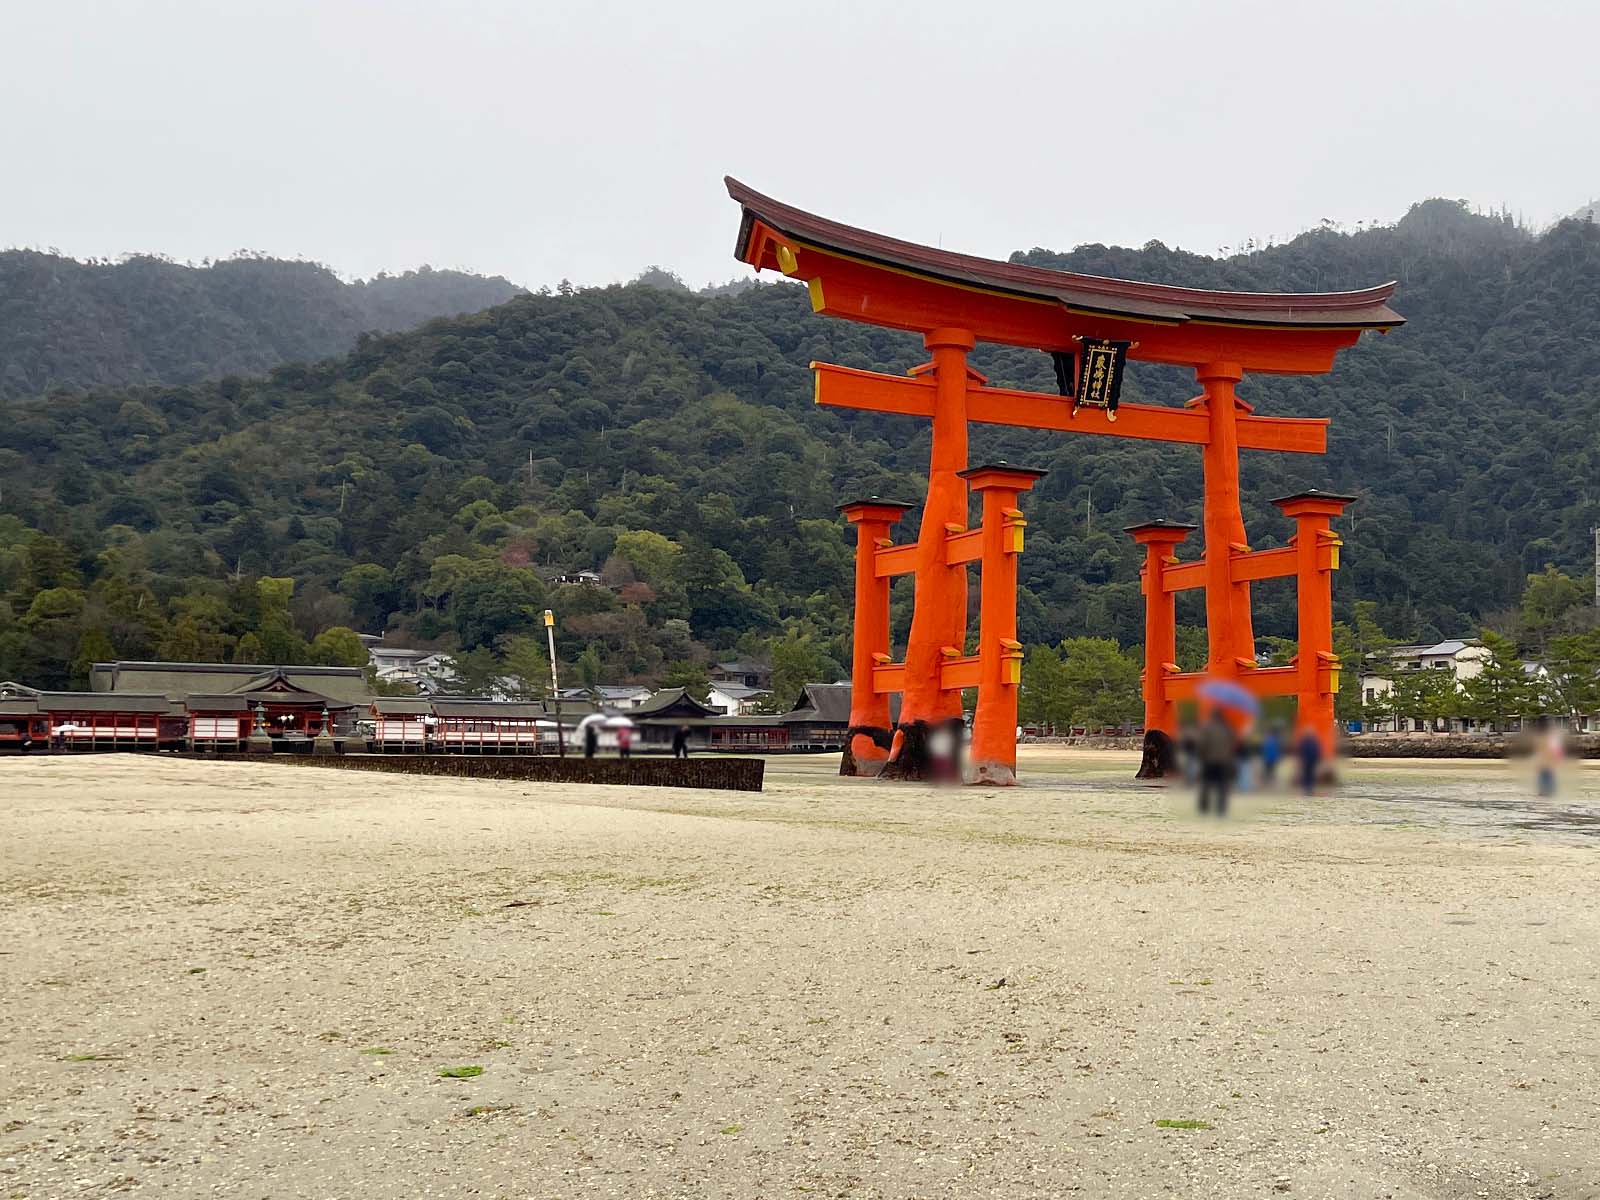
{"x": 242, "y": 980}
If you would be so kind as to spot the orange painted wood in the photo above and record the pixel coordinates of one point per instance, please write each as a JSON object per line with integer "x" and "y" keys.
{"x": 897, "y": 560}
{"x": 857, "y": 290}
{"x": 1265, "y": 564}
{"x": 963, "y": 672}
{"x": 964, "y": 547}
{"x": 1298, "y": 435}
{"x": 1183, "y": 577}
{"x": 1261, "y": 681}
{"x": 889, "y": 677}
{"x": 872, "y": 391}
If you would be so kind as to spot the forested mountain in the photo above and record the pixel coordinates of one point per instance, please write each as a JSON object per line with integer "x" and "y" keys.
{"x": 430, "y": 481}
{"x": 71, "y": 324}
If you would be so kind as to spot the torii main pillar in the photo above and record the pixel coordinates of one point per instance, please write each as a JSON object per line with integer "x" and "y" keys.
{"x": 939, "y": 617}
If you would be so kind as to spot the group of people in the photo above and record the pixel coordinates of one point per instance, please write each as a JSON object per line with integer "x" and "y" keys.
{"x": 624, "y": 732}
{"x": 1219, "y": 756}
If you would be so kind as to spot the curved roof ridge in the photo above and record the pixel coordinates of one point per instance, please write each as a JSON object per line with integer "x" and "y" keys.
{"x": 1365, "y": 306}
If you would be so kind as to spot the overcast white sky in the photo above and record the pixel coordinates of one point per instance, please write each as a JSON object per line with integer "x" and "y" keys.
{"x": 589, "y": 139}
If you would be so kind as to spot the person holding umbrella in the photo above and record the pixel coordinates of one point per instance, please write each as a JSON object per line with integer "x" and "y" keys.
{"x": 1217, "y": 743}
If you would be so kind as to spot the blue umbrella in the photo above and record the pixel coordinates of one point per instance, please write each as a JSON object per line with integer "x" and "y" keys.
{"x": 1229, "y": 695}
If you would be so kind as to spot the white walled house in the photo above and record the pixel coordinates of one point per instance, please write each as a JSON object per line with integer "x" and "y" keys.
{"x": 736, "y": 699}
{"x": 1462, "y": 657}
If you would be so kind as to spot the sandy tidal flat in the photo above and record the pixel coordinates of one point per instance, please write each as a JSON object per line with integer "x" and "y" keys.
{"x": 245, "y": 980}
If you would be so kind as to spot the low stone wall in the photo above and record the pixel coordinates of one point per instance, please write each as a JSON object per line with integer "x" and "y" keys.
{"x": 1454, "y": 745}
{"x": 1088, "y": 741}
{"x": 720, "y": 773}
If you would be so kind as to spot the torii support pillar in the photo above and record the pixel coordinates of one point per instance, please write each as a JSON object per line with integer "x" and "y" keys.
{"x": 867, "y": 739}
{"x": 1160, "y": 621}
{"x": 1316, "y": 549}
{"x": 993, "y": 757}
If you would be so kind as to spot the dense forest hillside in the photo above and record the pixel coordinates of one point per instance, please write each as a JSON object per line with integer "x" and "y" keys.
{"x": 71, "y": 324}
{"x": 432, "y": 482}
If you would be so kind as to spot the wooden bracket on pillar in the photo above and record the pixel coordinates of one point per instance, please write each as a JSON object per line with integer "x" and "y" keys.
{"x": 1011, "y": 661}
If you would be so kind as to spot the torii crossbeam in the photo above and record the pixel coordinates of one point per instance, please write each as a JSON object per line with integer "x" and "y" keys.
{"x": 956, "y": 301}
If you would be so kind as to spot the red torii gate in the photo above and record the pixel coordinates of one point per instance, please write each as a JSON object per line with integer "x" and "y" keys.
{"x": 956, "y": 301}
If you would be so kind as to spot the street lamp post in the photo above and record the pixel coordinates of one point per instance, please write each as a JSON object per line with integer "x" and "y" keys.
{"x": 555, "y": 681}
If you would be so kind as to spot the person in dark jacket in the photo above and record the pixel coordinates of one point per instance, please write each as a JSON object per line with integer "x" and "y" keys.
{"x": 591, "y": 739}
{"x": 1217, "y": 749}
{"x": 1309, "y": 751}
{"x": 680, "y": 742}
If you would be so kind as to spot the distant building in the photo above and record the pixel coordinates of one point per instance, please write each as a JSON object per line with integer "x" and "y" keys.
{"x": 426, "y": 670}
{"x": 1462, "y": 657}
{"x": 178, "y": 680}
{"x": 585, "y": 578}
{"x": 750, "y": 674}
{"x": 624, "y": 697}
{"x": 736, "y": 699}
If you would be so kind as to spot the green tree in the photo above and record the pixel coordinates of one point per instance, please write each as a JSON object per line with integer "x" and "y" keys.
{"x": 1101, "y": 682}
{"x": 796, "y": 661}
{"x": 53, "y": 605}
{"x": 338, "y": 647}
{"x": 1548, "y": 600}
{"x": 691, "y": 676}
{"x": 249, "y": 649}
{"x": 1501, "y": 689}
{"x": 1042, "y": 699}
{"x": 372, "y": 592}
{"x": 1573, "y": 663}
{"x": 477, "y": 671}
{"x": 94, "y": 645}
{"x": 527, "y": 665}
{"x": 588, "y": 669}
{"x": 493, "y": 601}
{"x": 189, "y": 639}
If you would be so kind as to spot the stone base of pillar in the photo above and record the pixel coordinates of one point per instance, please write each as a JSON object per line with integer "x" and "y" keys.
{"x": 993, "y": 775}
{"x": 926, "y": 752}
{"x": 259, "y": 744}
{"x": 323, "y": 745}
{"x": 1160, "y": 756}
{"x": 866, "y": 747}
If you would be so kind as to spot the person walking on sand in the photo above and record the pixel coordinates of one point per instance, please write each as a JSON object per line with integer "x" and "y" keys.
{"x": 625, "y": 741}
{"x": 1217, "y": 748}
{"x": 1549, "y": 752}
{"x": 591, "y": 739}
{"x": 680, "y": 742}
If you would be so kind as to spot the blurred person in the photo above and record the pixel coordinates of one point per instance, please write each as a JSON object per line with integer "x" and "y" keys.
{"x": 625, "y": 741}
{"x": 1217, "y": 754}
{"x": 1309, "y": 752}
{"x": 1271, "y": 755}
{"x": 680, "y": 742}
{"x": 591, "y": 739}
{"x": 1249, "y": 750}
{"x": 1550, "y": 749}
{"x": 1188, "y": 751}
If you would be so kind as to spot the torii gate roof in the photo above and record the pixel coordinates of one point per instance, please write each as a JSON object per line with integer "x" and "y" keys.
{"x": 866, "y": 276}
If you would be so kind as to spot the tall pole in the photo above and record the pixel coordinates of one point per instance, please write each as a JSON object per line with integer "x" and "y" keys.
{"x": 1597, "y": 566}
{"x": 555, "y": 682}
